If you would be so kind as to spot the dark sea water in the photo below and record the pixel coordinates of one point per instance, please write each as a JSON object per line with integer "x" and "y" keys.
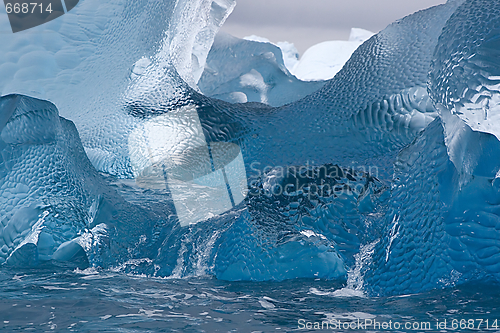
{"x": 68, "y": 300}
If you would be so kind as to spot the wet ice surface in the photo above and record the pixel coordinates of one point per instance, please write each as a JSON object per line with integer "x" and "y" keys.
{"x": 42, "y": 300}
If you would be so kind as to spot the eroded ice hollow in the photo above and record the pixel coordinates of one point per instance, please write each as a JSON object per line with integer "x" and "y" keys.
{"x": 365, "y": 176}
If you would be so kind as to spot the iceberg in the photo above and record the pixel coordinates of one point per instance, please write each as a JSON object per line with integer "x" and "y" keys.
{"x": 256, "y": 70}
{"x": 148, "y": 175}
{"x": 48, "y": 184}
{"x": 54, "y": 204}
{"x": 242, "y": 70}
{"x": 464, "y": 84}
{"x": 322, "y": 61}
{"x": 288, "y": 50}
{"x": 94, "y": 66}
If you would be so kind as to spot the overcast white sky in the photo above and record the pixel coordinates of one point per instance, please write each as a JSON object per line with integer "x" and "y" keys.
{"x": 308, "y": 22}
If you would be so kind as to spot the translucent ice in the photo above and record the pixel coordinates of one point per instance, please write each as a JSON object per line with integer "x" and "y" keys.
{"x": 240, "y": 71}
{"x": 373, "y": 107}
{"x": 465, "y": 75}
{"x": 47, "y": 181}
{"x": 99, "y": 58}
{"x": 53, "y": 204}
{"x": 56, "y": 206}
{"x": 367, "y": 162}
{"x": 439, "y": 229}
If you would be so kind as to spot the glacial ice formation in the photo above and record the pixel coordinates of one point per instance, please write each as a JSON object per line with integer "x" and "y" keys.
{"x": 371, "y": 109}
{"x": 465, "y": 76}
{"x": 445, "y": 216}
{"x": 322, "y": 61}
{"x": 253, "y": 69}
{"x": 100, "y": 57}
{"x": 241, "y": 71}
{"x": 385, "y": 158}
{"x": 47, "y": 181}
{"x": 54, "y": 204}
{"x": 288, "y": 50}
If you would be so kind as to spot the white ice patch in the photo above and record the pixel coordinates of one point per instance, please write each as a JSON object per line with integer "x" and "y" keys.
{"x": 310, "y": 233}
{"x": 322, "y": 61}
{"x": 482, "y": 113}
{"x": 255, "y": 80}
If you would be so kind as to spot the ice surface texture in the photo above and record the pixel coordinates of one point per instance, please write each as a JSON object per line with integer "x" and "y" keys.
{"x": 442, "y": 224}
{"x": 100, "y": 57}
{"x": 47, "y": 181}
{"x": 426, "y": 216}
{"x": 465, "y": 75}
{"x": 372, "y": 108}
{"x": 54, "y": 205}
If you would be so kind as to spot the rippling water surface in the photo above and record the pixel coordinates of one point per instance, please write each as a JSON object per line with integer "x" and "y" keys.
{"x": 45, "y": 299}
